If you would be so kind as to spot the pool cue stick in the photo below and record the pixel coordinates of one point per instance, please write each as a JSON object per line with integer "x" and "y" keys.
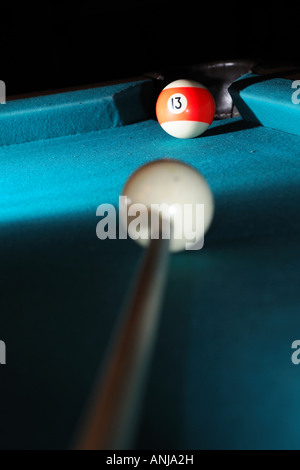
{"x": 112, "y": 416}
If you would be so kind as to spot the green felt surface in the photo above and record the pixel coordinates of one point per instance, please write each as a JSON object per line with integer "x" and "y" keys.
{"x": 71, "y": 113}
{"x": 222, "y": 375}
{"x": 267, "y": 101}
{"x": 246, "y": 166}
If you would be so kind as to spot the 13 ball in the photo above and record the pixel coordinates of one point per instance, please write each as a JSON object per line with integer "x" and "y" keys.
{"x": 185, "y": 109}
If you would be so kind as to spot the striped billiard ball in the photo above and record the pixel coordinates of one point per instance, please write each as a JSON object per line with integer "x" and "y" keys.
{"x": 185, "y": 109}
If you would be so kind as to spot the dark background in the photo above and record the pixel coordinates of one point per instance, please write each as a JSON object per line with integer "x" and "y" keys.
{"x": 72, "y": 44}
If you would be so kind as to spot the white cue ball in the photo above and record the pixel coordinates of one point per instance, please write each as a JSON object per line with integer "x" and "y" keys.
{"x": 168, "y": 182}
